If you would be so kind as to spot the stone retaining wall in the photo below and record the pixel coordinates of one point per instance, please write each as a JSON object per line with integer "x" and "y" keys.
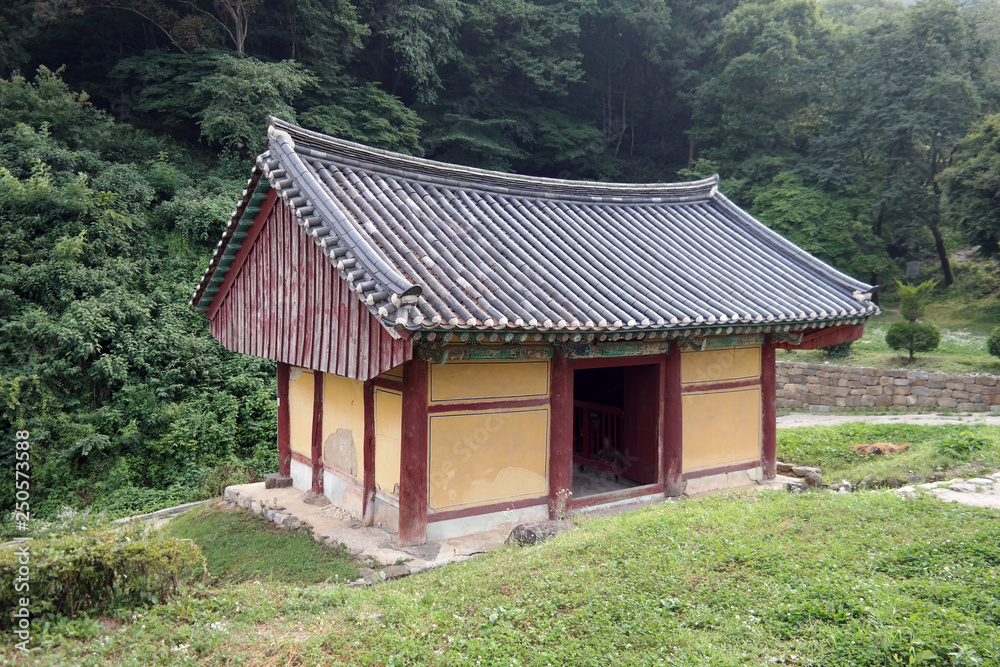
{"x": 826, "y": 387}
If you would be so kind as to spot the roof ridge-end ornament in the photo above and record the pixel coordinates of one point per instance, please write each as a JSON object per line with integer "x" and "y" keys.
{"x": 274, "y": 134}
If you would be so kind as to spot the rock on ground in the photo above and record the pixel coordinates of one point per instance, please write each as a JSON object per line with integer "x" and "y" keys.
{"x": 528, "y": 534}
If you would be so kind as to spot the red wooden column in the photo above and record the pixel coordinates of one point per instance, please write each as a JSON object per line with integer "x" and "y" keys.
{"x": 769, "y": 419}
{"x": 369, "y": 454}
{"x": 413, "y": 455}
{"x": 560, "y": 437}
{"x": 317, "y": 433}
{"x": 284, "y": 421}
{"x": 672, "y": 431}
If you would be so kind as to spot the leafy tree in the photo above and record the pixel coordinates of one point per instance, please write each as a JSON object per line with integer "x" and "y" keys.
{"x": 323, "y": 35}
{"x": 229, "y": 100}
{"x": 17, "y": 31}
{"x": 515, "y": 70}
{"x": 228, "y": 97}
{"x": 761, "y": 84}
{"x": 411, "y": 41}
{"x": 913, "y": 338}
{"x": 120, "y": 384}
{"x": 234, "y": 19}
{"x": 241, "y": 94}
{"x": 913, "y": 299}
{"x": 971, "y": 185}
{"x": 362, "y": 113}
{"x": 185, "y": 27}
{"x": 911, "y": 86}
{"x": 823, "y": 223}
{"x": 911, "y": 335}
{"x": 68, "y": 117}
{"x": 628, "y": 51}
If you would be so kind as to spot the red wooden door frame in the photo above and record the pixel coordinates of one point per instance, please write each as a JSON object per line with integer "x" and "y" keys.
{"x": 669, "y": 423}
{"x": 317, "y": 434}
{"x": 284, "y": 423}
{"x": 413, "y": 454}
{"x": 641, "y": 436}
{"x": 769, "y": 416}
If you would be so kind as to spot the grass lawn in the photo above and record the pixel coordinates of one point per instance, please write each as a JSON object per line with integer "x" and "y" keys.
{"x": 934, "y": 450}
{"x": 240, "y": 546}
{"x": 816, "y": 579}
{"x": 755, "y": 579}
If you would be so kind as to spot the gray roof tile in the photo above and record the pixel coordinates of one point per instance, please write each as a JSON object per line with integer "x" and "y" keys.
{"x": 434, "y": 246}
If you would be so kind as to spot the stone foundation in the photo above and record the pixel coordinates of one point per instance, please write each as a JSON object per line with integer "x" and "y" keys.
{"x": 827, "y": 387}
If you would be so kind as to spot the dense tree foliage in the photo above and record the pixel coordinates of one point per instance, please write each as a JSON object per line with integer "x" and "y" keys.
{"x": 972, "y": 185}
{"x": 863, "y": 130}
{"x": 117, "y": 381}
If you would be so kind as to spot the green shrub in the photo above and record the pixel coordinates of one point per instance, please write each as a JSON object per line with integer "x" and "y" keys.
{"x": 65, "y": 520}
{"x": 993, "y": 342}
{"x": 839, "y": 350}
{"x": 166, "y": 179}
{"x": 131, "y": 500}
{"x": 94, "y": 572}
{"x": 913, "y": 337}
{"x": 974, "y": 281}
{"x": 963, "y": 445}
{"x": 913, "y": 298}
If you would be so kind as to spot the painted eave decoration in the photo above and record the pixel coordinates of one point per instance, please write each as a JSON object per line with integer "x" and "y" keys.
{"x": 456, "y": 252}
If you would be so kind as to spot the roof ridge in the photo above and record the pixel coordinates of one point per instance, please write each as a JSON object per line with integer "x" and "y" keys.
{"x": 431, "y": 245}
{"x": 340, "y": 151}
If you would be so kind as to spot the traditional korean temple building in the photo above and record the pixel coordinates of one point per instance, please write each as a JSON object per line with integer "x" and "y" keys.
{"x": 460, "y": 349}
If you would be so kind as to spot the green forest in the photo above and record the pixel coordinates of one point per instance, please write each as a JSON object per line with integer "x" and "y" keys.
{"x": 866, "y": 131}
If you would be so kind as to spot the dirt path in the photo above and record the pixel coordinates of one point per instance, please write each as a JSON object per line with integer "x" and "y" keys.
{"x": 797, "y": 419}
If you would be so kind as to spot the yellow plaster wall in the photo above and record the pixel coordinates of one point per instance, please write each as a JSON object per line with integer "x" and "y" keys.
{"x": 721, "y": 428}
{"x": 483, "y": 457}
{"x": 344, "y": 424}
{"x": 300, "y": 410}
{"x": 732, "y": 363}
{"x": 461, "y": 381}
{"x": 388, "y": 435}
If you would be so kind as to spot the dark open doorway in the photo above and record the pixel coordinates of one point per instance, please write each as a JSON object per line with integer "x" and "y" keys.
{"x": 614, "y": 428}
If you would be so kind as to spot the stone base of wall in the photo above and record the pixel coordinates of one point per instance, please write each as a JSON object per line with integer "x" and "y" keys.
{"x": 829, "y": 387}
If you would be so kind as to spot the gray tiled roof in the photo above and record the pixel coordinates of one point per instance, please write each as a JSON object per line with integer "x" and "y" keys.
{"x": 435, "y": 246}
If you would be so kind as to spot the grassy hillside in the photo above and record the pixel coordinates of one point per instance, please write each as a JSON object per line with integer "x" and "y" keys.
{"x": 764, "y": 578}
{"x": 833, "y": 580}
{"x": 240, "y": 546}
